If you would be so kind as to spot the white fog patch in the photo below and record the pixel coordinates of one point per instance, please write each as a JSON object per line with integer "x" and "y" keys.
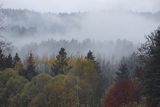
{"x": 25, "y": 26}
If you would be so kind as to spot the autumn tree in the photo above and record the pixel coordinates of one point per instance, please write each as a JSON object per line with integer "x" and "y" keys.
{"x": 11, "y": 84}
{"x": 32, "y": 89}
{"x": 121, "y": 93}
{"x": 61, "y": 91}
{"x": 61, "y": 64}
{"x": 100, "y": 76}
{"x": 17, "y": 64}
{"x": 87, "y": 77}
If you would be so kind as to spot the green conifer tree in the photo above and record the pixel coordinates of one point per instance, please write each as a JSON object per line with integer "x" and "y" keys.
{"x": 123, "y": 72}
{"x": 152, "y": 70}
{"x": 16, "y": 59}
{"x": 61, "y": 64}
{"x": 30, "y": 71}
{"x": 9, "y": 61}
{"x": 90, "y": 56}
{"x": 2, "y": 60}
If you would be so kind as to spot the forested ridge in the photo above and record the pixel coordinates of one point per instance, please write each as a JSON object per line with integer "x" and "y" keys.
{"x": 81, "y": 81}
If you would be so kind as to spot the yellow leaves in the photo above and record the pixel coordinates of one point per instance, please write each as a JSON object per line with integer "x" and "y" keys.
{"x": 59, "y": 92}
{"x": 84, "y": 69}
{"x": 18, "y": 66}
{"x": 31, "y": 61}
{"x": 47, "y": 60}
{"x": 51, "y": 61}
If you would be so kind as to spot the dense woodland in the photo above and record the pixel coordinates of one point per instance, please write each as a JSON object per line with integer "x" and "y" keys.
{"x": 81, "y": 81}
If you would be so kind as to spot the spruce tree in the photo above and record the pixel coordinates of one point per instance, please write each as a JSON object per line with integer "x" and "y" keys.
{"x": 90, "y": 56}
{"x": 16, "y": 59}
{"x": 152, "y": 70}
{"x": 123, "y": 72}
{"x": 9, "y": 61}
{"x": 2, "y": 60}
{"x": 30, "y": 71}
{"x": 61, "y": 64}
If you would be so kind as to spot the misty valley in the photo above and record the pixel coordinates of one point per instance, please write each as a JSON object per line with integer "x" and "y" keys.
{"x": 79, "y": 59}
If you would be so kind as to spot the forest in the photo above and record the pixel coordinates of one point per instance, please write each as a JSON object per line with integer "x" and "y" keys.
{"x": 64, "y": 80}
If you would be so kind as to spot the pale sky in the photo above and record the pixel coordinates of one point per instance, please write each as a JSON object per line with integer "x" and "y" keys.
{"x": 83, "y": 5}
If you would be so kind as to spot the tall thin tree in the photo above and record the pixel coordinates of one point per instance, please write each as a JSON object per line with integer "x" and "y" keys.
{"x": 152, "y": 70}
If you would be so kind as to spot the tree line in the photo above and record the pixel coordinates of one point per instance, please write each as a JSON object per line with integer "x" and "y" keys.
{"x": 82, "y": 81}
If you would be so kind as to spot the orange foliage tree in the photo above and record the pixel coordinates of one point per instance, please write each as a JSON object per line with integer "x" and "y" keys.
{"x": 123, "y": 92}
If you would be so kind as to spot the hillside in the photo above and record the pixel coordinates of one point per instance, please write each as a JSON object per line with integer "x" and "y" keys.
{"x": 105, "y": 25}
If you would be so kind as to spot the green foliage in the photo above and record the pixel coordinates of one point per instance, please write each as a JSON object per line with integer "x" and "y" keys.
{"x": 59, "y": 92}
{"x": 32, "y": 88}
{"x": 19, "y": 67}
{"x": 16, "y": 59}
{"x": 77, "y": 82}
{"x": 61, "y": 64}
{"x": 10, "y": 85}
{"x": 2, "y": 60}
{"x": 30, "y": 71}
{"x": 123, "y": 72}
{"x": 86, "y": 73}
{"x": 152, "y": 70}
{"x": 9, "y": 61}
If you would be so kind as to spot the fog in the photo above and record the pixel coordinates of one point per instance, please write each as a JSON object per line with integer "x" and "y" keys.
{"x": 83, "y": 5}
{"x": 103, "y": 32}
{"x": 23, "y": 26}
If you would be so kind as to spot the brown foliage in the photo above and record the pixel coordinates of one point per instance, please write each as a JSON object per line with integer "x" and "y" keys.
{"x": 123, "y": 92}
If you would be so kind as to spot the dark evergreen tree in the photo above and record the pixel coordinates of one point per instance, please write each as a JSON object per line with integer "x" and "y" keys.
{"x": 30, "y": 71}
{"x": 61, "y": 64}
{"x": 100, "y": 78}
{"x": 152, "y": 70}
{"x": 2, "y": 60}
{"x": 9, "y": 61}
{"x": 123, "y": 72}
{"x": 90, "y": 56}
{"x": 16, "y": 59}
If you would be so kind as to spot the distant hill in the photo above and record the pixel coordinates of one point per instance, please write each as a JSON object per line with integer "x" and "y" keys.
{"x": 25, "y": 22}
{"x": 153, "y": 16}
{"x": 23, "y": 26}
{"x": 104, "y": 30}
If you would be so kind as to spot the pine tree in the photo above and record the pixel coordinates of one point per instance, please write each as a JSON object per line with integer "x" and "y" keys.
{"x": 152, "y": 70}
{"x": 2, "y": 60}
{"x": 30, "y": 71}
{"x": 90, "y": 56}
{"x": 99, "y": 90}
{"x": 9, "y": 61}
{"x": 17, "y": 64}
{"x": 123, "y": 72}
{"x": 16, "y": 59}
{"x": 61, "y": 64}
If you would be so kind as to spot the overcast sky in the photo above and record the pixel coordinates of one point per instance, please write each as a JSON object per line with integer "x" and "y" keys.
{"x": 83, "y": 5}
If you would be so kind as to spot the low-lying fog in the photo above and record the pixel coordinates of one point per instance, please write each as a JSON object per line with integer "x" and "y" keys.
{"x": 23, "y": 26}
{"x": 111, "y": 34}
